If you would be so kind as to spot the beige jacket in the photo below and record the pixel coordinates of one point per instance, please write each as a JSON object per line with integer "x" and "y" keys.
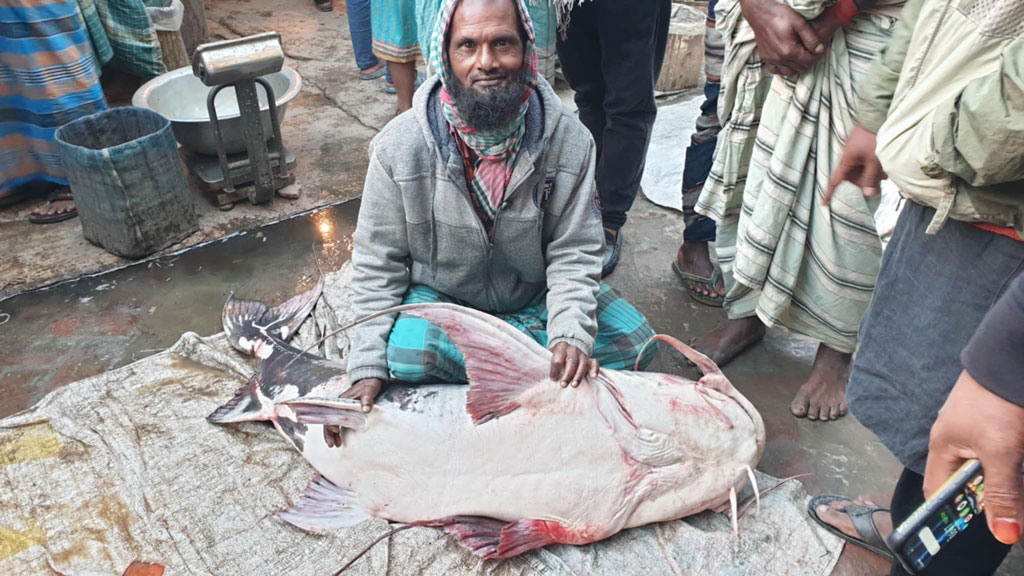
{"x": 946, "y": 99}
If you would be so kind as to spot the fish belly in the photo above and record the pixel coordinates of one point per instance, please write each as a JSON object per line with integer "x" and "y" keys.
{"x": 556, "y": 462}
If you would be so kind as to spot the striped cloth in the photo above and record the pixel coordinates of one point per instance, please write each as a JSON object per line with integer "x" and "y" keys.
{"x": 785, "y": 257}
{"x": 48, "y": 77}
{"x": 394, "y": 30}
{"x": 419, "y": 351}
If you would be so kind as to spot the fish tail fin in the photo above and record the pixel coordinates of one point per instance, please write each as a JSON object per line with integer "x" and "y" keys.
{"x": 246, "y": 321}
{"x": 244, "y": 406}
{"x": 342, "y": 412}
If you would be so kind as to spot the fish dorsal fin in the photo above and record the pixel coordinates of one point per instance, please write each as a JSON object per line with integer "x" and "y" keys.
{"x": 501, "y": 361}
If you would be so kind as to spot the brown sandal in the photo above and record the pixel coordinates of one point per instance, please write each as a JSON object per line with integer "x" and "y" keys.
{"x": 61, "y": 194}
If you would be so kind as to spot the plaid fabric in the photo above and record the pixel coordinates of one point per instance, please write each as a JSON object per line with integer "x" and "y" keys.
{"x": 136, "y": 49}
{"x": 48, "y": 77}
{"x": 419, "y": 351}
{"x": 496, "y": 150}
{"x": 394, "y": 30}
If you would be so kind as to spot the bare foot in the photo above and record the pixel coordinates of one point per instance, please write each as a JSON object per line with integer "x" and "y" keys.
{"x": 726, "y": 342}
{"x": 696, "y": 259}
{"x": 823, "y": 395}
{"x": 832, "y": 516}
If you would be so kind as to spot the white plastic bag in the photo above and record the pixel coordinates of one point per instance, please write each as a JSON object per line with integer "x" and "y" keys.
{"x": 168, "y": 18}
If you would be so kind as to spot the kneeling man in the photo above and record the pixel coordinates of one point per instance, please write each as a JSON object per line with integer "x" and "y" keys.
{"x": 483, "y": 195}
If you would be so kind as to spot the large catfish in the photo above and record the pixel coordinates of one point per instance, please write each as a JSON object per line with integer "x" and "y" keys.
{"x": 511, "y": 462}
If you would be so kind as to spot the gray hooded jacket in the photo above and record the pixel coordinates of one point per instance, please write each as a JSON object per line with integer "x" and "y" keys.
{"x": 417, "y": 225}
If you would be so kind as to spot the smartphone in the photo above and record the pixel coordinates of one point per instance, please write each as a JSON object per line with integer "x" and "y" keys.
{"x": 954, "y": 508}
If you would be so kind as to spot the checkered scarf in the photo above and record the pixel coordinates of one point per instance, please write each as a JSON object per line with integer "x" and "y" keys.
{"x": 496, "y": 149}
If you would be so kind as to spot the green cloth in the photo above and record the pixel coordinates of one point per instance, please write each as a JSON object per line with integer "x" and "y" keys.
{"x": 419, "y": 351}
{"x": 785, "y": 257}
{"x": 122, "y": 36}
{"x": 975, "y": 133}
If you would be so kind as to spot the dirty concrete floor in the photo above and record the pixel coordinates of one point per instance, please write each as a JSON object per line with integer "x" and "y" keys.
{"x": 91, "y": 324}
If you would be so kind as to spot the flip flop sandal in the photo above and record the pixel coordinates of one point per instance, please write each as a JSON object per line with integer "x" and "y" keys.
{"x": 390, "y": 88}
{"x": 861, "y": 516}
{"x": 375, "y": 74}
{"x": 713, "y": 301}
{"x": 324, "y": 5}
{"x": 56, "y": 196}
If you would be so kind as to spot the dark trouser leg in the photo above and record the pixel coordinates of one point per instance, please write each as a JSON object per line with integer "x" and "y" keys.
{"x": 974, "y": 551}
{"x": 630, "y": 40}
{"x": 580, "y": 56}
{"x": 700, "y": 153}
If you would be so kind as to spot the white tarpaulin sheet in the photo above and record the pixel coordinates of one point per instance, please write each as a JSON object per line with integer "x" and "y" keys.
{"x": 124, "y": 467}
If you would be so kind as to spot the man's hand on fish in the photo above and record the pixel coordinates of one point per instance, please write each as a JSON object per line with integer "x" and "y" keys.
{"x": 365, "y": 391}
{"x": 569, "y": 365}
{"x": 786, "y": 41}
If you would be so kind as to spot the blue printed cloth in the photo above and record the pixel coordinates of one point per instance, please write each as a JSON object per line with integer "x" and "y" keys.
{"x": 48, "y": 77}
{"x": 419, "y": 351}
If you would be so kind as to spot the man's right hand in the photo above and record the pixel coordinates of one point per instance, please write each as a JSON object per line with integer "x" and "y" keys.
{"x": 858, "y": 165}
{"x": 786, "y": 41}
{"x": 365, "y": 391}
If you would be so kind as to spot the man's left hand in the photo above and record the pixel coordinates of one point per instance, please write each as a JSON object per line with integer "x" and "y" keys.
{"x": 569, "y": 365}
{"x": 975, "y": 423}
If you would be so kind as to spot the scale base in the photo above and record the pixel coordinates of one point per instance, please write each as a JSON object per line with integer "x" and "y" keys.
{"x": 206, "y": 172}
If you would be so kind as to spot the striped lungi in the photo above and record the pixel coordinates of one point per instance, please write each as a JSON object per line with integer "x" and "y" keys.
{"x": 394, "y": 30}
{"x": 785, "y": 257}
{"x": 48, "y": 77}
{"x": 419, "y": 351}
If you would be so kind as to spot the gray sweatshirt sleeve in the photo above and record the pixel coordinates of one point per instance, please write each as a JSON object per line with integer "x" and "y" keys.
{"x": 380, "y": 276}
{"x": 574, "y": 256}
{"x": 995, "y": 355}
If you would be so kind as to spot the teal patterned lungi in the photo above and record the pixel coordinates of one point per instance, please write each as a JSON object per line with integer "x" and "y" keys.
{"x": 419, "y": 351}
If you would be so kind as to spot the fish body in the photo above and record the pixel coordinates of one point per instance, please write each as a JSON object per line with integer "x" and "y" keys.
{"x": 509, "y": 463}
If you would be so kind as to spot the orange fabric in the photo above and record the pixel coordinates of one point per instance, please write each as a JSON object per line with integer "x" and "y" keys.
{"x": 1001, "y": 230}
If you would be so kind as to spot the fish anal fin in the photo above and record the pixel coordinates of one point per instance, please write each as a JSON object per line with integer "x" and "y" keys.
{"x": 502, "y": 362}
{"x": 244, "y": 406}
{"x": 478, "y": 534}
{"x": 526, "y": 535}
{"x": 343, "y": 412}
{"x": 324, "y": 506}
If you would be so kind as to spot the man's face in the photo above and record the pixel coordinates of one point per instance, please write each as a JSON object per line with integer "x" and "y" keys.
{"x": 485, "y": 51}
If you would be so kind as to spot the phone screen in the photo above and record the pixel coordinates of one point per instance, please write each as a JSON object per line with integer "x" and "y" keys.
{"x": 953, "y": 516}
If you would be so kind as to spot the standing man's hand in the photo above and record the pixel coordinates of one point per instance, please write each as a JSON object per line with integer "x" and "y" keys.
{"x": 785, "y": 40}
{"x": 975, "y": 423}
{"x": 569, "y": 365}
{"x": 365, "y": 391}
{"x": 859, "y": 164}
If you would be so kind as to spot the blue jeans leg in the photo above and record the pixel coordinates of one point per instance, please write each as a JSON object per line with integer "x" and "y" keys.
{"x": 359, "y": 27}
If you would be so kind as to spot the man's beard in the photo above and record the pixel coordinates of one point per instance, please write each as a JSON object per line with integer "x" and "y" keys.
{"x": 493, "y": 106}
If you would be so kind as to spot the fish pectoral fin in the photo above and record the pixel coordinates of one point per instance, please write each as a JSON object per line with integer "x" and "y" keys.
{"x": 244, "y": 406}
{"x": 490, "y": 538}
{"x": 525, "y": 535}
{"x": 343, "y": 412}
{"x": 501, "y": 361}
{"x": 324, "y": 506}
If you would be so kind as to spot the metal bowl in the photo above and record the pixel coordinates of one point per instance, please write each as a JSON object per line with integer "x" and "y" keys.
{"x": 181, "y": 98}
